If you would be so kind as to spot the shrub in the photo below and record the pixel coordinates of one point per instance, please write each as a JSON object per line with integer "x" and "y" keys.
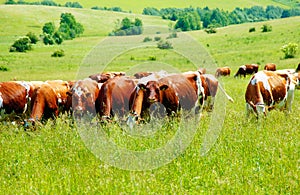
{"x": 210, "y": 30}
{"x": 157, "y": 38}
{"x": 3, "y": 68}
{"x": 147, "y": 39}
{"x": 127, "y": 27}
{"x": 164, "y": 45}
{"x": 252, "y": 29}
{"x": 289, "y": 50}
{"x": 57, "y": 37}
{"x": 58, "y": 53}
{"x": 266, "y": 28}
{"x": 152, "y": 58}
{"x": 21, "y": 45}
{"x": 172, "y": 35}
{"x": 33, "y": 38}
{"x": 48, "y": 39}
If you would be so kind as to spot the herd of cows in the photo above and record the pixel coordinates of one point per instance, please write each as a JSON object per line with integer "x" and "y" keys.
{"x": 114, "y": 94}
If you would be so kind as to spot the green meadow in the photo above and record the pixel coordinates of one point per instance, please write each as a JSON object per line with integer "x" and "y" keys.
{"x": 248, "y": 156}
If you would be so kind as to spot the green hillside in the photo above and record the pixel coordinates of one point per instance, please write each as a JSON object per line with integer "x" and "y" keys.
{"x": 231, "y": 46}
{"x": 137, "y": 6}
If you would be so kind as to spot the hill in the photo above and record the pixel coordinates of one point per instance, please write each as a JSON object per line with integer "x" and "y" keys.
{"x": 138, "y": 6}
{"x": 230, "y": 46}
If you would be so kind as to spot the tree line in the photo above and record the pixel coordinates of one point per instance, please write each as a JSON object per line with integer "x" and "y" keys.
{"x": 197, "y": 18}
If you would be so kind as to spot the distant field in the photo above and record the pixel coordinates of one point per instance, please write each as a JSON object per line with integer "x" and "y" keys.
{"x": 138, "y": 6}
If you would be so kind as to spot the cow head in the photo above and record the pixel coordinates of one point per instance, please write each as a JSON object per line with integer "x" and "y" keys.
{"x": 152, "y": 91}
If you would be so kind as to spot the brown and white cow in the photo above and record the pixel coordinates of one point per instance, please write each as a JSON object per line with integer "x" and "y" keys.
{"x": 268, "y": 90}
{"x": 102, "y": 77}
{"x": 84, "y": 94}
{"x": 113, "y": 98}
{"x": 14, "y": 97}
{"x": 222, "y": 71}
{"x": 270, "y": 67}
{"x": 173, "y": 91}
{"x": 49, "y": 99}
{"x": 246, "y": 69}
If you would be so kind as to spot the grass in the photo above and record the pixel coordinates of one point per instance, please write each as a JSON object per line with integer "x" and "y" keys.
{"x": 247, "y": 158}
{"x": 138, "y": 6}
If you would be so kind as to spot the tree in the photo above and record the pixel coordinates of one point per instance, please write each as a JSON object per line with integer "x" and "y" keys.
{"x": 49, "y": 28}
{"x": 69, "y": 28}
{"x": 289, "y": 50}
{"x": 125, "y": 24}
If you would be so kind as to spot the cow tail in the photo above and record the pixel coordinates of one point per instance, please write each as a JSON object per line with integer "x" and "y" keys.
{"x": 227, "y": 96}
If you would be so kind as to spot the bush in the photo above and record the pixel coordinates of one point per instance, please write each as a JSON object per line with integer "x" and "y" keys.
{"x": 210, "y": 30}
{"x": 172, "y": 35}
{"x": 57, "y": 37}
{"x": 127, "y": 27}
{"x": 3, "y": 68}
{"x": 252, "y": 29}
{"x": 147, "y": 39}
{"x": 266, "y": 28}
{"x": 290, "y": 50}
{"x": 164, "y": 45}
{"x": 58, "y": 53}
{"x": 48, "y": 39}
{"x": 157, "y": 38}
{"x": 152, "y": 58}
{"x": 33, "y": 38}
{"x": 21, "y": 45}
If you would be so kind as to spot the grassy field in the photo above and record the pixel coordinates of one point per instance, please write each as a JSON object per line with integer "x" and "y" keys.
{"x": 247, "y": 158}
{"x": 138, "y": 6}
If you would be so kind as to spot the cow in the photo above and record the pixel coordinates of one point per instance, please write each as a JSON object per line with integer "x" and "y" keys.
{"x": 270, "y": 67}
{"x": 113, "y": 98}
{"x": 173, "y": 91}
{"x": 84, "y": 94}
{"x": 14, "y": 98}
{"x": 140, "y": 75}
{"x": 222, "y": 71}
{"x": 210, "y": 86}
{"x": 202, "y": 70}
{"x": 298, "y": 68}
{"x": 50, "y": 99}
{"x": 246, "y": 69}
{"x": 102, "y": 77}
{"x": 268, "y": 90}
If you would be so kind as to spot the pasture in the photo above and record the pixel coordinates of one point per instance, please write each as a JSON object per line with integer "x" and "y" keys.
{"x": 247, "y": 158}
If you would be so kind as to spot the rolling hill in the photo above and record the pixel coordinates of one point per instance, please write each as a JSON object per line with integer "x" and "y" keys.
{"x": 137, "y": 6}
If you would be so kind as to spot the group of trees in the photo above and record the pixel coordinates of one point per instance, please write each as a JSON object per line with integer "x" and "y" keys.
{"x": 127, "y": 27}
{"x": 44, "y": 2}
{"x": 69, "y": 29}
{"x": 197, "y": 18}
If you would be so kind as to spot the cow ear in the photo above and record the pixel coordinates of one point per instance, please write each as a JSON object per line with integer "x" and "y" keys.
{"x": 69, "y": 93}
{"x": 163, "y": 87}
{"x": 142, "y": 86}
